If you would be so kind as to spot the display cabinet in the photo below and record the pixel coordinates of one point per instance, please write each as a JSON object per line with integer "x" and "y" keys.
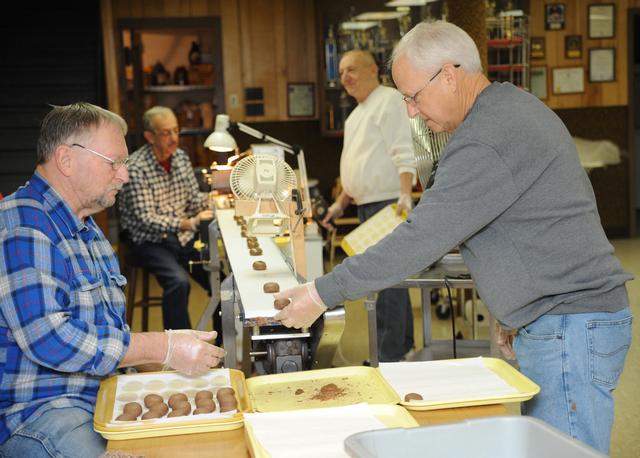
{"x": 175, "y": 62}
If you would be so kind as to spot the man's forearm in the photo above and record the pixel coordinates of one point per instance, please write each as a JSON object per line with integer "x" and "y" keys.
{"x": 406, "y": 182}
{"x": 144, "y": 348}
{"x": 343, "y": 199}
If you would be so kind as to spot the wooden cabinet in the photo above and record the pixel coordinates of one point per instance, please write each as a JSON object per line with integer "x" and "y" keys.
{"x": 158, "y": 68}
{"x": 264, "y": 46}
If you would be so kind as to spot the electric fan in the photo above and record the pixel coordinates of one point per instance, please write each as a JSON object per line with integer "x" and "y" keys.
{"x": 265, "y": 179}
{"x": 428, "y": 146}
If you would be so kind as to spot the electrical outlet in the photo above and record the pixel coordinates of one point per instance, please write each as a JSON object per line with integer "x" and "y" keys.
{"x": 233, "y": 100}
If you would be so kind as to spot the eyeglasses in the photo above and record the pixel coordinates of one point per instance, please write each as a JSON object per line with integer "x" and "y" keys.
{"x": 413, "y": 99}
{"x": 115, "y": 163}
{"x": 167, "y": 132}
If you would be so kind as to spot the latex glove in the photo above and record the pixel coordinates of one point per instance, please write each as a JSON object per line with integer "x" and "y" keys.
{"x": 204, "y": 215}
{"x": 405, "y": 202}
{"x": 304, "y": 308}
{"x": 334, "y": 211}
{"x": 188, "y": 351}
{"x": 504, "y": 341}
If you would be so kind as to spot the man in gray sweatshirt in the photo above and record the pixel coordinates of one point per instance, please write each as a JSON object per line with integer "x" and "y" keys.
{"x": 511, "y": 193}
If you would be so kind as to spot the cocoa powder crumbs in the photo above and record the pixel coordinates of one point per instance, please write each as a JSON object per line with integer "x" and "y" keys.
{"x": 328, "y": 392}
{"x": 299, "y": 391}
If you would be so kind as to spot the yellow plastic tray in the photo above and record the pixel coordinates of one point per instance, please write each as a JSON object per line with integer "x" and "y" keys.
{"x": 526, "y": 390}
{"x": 393, "y": 416}
{"x": 148, "y": 428}
{"x": 372, "y": 230}
{"x": 271, "y": 393}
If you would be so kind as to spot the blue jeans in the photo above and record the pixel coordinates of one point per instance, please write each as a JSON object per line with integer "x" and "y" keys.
{"x": 60, "y": 433}
{"x": 169, "y": 262}
{"x": 577, "y": 360}
{"x": 394, "y": 317}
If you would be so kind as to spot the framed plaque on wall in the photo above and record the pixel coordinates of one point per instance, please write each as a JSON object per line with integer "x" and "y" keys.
{"x": 602, "y": 65}
{"x": 568, "y": 80}
{"x": 602, "y": 21}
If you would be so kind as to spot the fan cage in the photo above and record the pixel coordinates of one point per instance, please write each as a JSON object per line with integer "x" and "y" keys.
{"x": 243, "y": 180}
{"x": 428, "y": 146}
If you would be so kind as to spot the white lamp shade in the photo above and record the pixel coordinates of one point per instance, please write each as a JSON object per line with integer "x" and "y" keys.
{"x": 220, "y": 140}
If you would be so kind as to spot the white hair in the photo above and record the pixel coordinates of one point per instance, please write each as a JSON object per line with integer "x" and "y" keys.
{"x": 430, "y": 45}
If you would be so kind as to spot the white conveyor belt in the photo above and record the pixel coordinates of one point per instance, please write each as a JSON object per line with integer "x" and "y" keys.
{"x": 255, "y": 302}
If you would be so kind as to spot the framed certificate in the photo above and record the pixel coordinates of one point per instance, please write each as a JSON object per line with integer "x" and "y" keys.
{"x": 602, "y": 65}
{"x": 568, "y": 80}
{"x": 301, "y": 99}
{"x": 539, "y": 82}
{"x": 602, "y": 20}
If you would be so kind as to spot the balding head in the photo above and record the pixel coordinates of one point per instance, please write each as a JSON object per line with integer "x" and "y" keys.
{"x": 358, "y": 74}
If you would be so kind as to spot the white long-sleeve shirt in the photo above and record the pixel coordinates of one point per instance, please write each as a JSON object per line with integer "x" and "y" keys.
{"x": 377, "y": 148}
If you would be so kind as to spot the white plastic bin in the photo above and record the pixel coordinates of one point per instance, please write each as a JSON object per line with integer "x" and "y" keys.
{"x": 495, "y": 437}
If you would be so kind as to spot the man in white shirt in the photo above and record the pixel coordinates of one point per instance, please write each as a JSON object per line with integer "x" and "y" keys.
{"x": 377, "y": 168}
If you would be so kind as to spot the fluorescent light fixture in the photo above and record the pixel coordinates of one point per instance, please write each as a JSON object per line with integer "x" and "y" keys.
{"x": 408, "y": 2}
{"x": 220, "y": 140}
{"x": 358, "y": 25}
{"x": 380, "y": 15}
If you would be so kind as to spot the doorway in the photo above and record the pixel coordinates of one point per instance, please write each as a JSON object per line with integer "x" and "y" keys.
{"x": 634, "y": 106}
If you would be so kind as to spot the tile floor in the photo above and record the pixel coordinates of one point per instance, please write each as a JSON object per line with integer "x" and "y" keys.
{"x": 353, "y": 347}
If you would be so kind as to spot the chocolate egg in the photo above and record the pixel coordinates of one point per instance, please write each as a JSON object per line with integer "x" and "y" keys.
{"x": 201, "y": 410}
{"x": 206, "y": 394}
{"x": 177, "y": 397}
{"x": 259, "y": 265}
{"x": 152, "y": 414}
{"x": 279, "y": 304}
{"x": 152, "y": 399}
{"x": 271, "y": 287}
{"x": 132, "y": 408}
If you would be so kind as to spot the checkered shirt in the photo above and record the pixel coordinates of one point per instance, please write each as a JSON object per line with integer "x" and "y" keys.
{"x": 62, "y": 307}
{"x": 153, "y": 202}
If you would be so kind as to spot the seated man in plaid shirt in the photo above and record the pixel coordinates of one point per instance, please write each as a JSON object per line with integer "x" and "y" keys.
{"x": 62, "y": 305}
{"x": 161, "y": 208}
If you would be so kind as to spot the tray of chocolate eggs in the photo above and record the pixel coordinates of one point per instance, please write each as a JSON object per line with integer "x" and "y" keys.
{"x": 165, "y": 403}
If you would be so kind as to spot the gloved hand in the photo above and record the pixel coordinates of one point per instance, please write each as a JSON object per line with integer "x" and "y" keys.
{"x": 405, "y": 202}
{"x": 204, "y": 215}
{"x": 189, "y": 353}
{"x": 504, "y": 341}
{"x": 334, "y": 211}
{"x": 304, "y": 308}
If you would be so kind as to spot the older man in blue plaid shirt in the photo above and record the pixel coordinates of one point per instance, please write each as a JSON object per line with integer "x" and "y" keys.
{"x": 62, "y": 307}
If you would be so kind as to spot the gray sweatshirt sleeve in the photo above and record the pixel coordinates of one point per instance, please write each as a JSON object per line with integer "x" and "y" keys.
{"x": 473, "y": 186}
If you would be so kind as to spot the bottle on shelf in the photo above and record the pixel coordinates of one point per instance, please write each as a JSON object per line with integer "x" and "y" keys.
{"x": 195, "y": 56}
{"x": 331, "y": 58}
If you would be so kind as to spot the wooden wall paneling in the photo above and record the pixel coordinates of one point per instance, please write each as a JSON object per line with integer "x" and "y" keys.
{"x": 110, "y": 56}
{"x": 311, "y": 44}
{"x": 282, "y": 43}
{"x": 258, "y": 52}
{"x": 231, "y": 54}
{"x": 176, "y": 8}
{"x": 576, "y": 23}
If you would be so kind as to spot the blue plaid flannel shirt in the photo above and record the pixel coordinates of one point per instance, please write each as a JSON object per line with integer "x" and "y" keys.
{"x": 62, "y": 307}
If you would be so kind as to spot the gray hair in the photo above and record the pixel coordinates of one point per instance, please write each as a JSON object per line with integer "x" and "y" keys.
{"x": 155, "y": 112}
{"x": 63, "y": 123}
{"x": 430, "y": 45}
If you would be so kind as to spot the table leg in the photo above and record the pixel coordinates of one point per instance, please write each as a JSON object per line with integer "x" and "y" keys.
{"x": 227, "y": 303}
{"x": 370, "y": 307}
